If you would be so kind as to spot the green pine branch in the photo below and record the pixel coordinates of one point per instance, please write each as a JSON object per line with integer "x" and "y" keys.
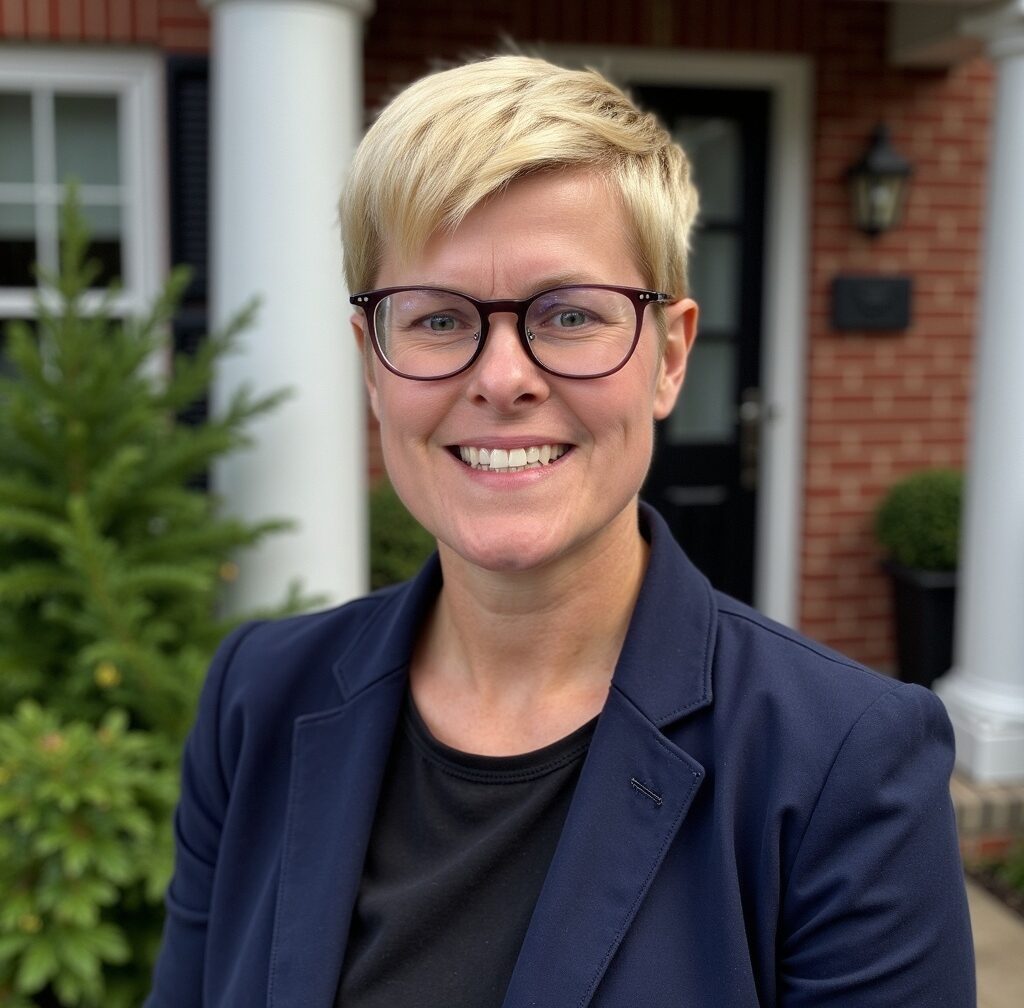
{"x": 111, "y": 565}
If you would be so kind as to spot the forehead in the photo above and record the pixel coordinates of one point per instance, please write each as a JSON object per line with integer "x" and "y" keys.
{"x": 542, "y": 230}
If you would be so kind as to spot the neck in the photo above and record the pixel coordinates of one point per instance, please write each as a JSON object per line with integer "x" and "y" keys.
{"x": 511, "y": 661}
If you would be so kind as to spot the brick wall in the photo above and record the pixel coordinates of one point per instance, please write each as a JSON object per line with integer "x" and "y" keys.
{"x": 174, "y": 25}
{"x": 877, "y": 406}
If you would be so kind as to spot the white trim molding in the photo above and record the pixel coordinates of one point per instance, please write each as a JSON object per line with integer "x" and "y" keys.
{"x": 788, "y": 79}
{"x": 136, "y": 78}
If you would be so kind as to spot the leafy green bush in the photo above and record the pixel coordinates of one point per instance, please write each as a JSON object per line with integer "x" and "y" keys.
{"x": 111, "y": 563}
{"x": 82, "y": 817}
{"x": 1011, "y": 871}
{"x": 918, "y": 520}
{"x": 398, "y": 543}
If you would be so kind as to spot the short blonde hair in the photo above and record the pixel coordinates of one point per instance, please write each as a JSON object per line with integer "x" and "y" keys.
{"x": 453, "y": 138}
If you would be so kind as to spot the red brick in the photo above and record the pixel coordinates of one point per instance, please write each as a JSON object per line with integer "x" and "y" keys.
{"x": 38, "y": 21}
{"x": 120, "y": 20}
{"x": 12, "y": 18}
{"x": 185, "y": 38}
{"x": 147, "y": 20}
{"x": 94, "y": 20}
{"x": 181, "y": 10}
{"x": 69, "y": 20}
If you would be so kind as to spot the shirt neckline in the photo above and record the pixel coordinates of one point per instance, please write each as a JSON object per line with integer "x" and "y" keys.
{"x": 496, "y": 769}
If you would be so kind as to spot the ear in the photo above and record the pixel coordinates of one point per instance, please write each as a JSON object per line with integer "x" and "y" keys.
{"x": 681, "y": 320}
{"x": 358, "y": 322}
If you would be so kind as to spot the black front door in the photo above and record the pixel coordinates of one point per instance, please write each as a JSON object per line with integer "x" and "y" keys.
{"x": 704, "y": 478}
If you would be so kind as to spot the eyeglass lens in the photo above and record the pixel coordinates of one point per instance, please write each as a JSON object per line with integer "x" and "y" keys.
{"x": 576, "y": 331}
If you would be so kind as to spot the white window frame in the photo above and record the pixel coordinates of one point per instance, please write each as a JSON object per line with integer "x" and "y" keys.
{"x": 136, "y": 79}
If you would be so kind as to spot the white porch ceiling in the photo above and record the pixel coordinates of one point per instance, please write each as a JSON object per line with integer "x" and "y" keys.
{"x": 930, "y": 33}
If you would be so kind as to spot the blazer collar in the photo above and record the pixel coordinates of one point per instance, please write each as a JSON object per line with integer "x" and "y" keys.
{"x": 665, "y": 670}
{"x": 665, "y": 664}
{"x": 386, "y": 640}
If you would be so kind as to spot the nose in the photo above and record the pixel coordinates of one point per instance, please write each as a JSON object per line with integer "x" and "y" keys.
{"x": 504, "y": 375}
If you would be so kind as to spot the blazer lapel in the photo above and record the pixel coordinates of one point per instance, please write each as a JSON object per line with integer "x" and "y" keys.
{"x": 338, "y": 760}
{"x": 632, "y": 796}
{"x": 634, "y": 791}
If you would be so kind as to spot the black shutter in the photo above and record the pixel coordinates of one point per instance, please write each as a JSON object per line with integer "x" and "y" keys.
{"x": 188, "y": 119}
{"x": 188, "y": 124}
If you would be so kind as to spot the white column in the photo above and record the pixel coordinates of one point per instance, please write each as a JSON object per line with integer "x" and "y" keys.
{"x": 287, "y": 112}
{"x": 984, "y": 692}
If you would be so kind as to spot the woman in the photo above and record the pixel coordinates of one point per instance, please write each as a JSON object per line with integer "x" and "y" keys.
{"x": 556, "y": 768}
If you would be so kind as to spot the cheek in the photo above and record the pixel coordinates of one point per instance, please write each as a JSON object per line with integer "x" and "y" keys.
{"x": 405, "y": 406}
{"x": 621, "y": 422}
{"x": 627, "y": 400}
{"x": 403, "y": 458}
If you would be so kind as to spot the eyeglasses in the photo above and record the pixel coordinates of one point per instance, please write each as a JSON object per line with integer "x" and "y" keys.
{"x": 576, "y": 331}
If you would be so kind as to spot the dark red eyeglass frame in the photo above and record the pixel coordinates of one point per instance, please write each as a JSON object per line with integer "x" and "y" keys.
{"x": 640, "y": 298}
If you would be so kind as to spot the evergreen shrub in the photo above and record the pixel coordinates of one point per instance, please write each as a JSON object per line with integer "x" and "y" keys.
{"x": 111, "y": 562}
{"x": 84, "y": 808}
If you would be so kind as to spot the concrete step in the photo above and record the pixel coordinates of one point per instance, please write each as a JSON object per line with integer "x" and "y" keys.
{"x": 990, "y": 817}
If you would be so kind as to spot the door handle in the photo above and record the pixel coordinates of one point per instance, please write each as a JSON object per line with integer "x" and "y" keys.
{"x": 750, "y": 415}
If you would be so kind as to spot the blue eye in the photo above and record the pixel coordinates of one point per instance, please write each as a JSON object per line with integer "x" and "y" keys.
{"x": 441, "y": 323}
{"x": 572, "y": 318}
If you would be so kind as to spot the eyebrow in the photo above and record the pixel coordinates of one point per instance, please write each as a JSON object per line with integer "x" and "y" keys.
{"x": 545, "y": 283}
{"x": 563, "y": 280}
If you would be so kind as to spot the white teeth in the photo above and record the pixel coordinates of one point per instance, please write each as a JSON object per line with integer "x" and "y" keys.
{"x": 512, "y": 459}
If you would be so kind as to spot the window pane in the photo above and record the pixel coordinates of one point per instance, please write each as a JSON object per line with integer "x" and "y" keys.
{"x": 714, "y": 276}
{"x": 17, "y": 245}
{"x": 104, "y": 224}
{"x": 15, "y": 137}
{"x": 713, "y": 146}
{"x": 87, "y": 139}
{"x": 704, "y": 411}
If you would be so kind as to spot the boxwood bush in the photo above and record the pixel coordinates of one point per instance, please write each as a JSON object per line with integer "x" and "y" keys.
{"x": 918, "y": 520}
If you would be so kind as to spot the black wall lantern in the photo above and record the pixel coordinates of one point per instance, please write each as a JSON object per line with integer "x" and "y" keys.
{"x": 878, "y": 184}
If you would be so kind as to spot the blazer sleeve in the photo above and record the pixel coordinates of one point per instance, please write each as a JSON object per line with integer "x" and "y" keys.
{"x": 205, "y": 789}
{"x": 874, "y": 912}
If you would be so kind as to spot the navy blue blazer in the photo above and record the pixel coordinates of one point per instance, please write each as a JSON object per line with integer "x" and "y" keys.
{"x": 759, "y": 821}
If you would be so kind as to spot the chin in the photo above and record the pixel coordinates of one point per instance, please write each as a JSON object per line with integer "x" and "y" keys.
{"x": 505, "y": 552}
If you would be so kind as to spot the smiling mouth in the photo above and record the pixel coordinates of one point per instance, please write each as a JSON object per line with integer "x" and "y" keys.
{"x": 510, "y": 460}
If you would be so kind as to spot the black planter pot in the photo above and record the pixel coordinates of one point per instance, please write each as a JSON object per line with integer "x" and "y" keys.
{"x": 923, "y": 602}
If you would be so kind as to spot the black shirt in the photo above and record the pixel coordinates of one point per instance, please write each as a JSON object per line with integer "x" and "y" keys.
{"x": 458, "y": 853}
